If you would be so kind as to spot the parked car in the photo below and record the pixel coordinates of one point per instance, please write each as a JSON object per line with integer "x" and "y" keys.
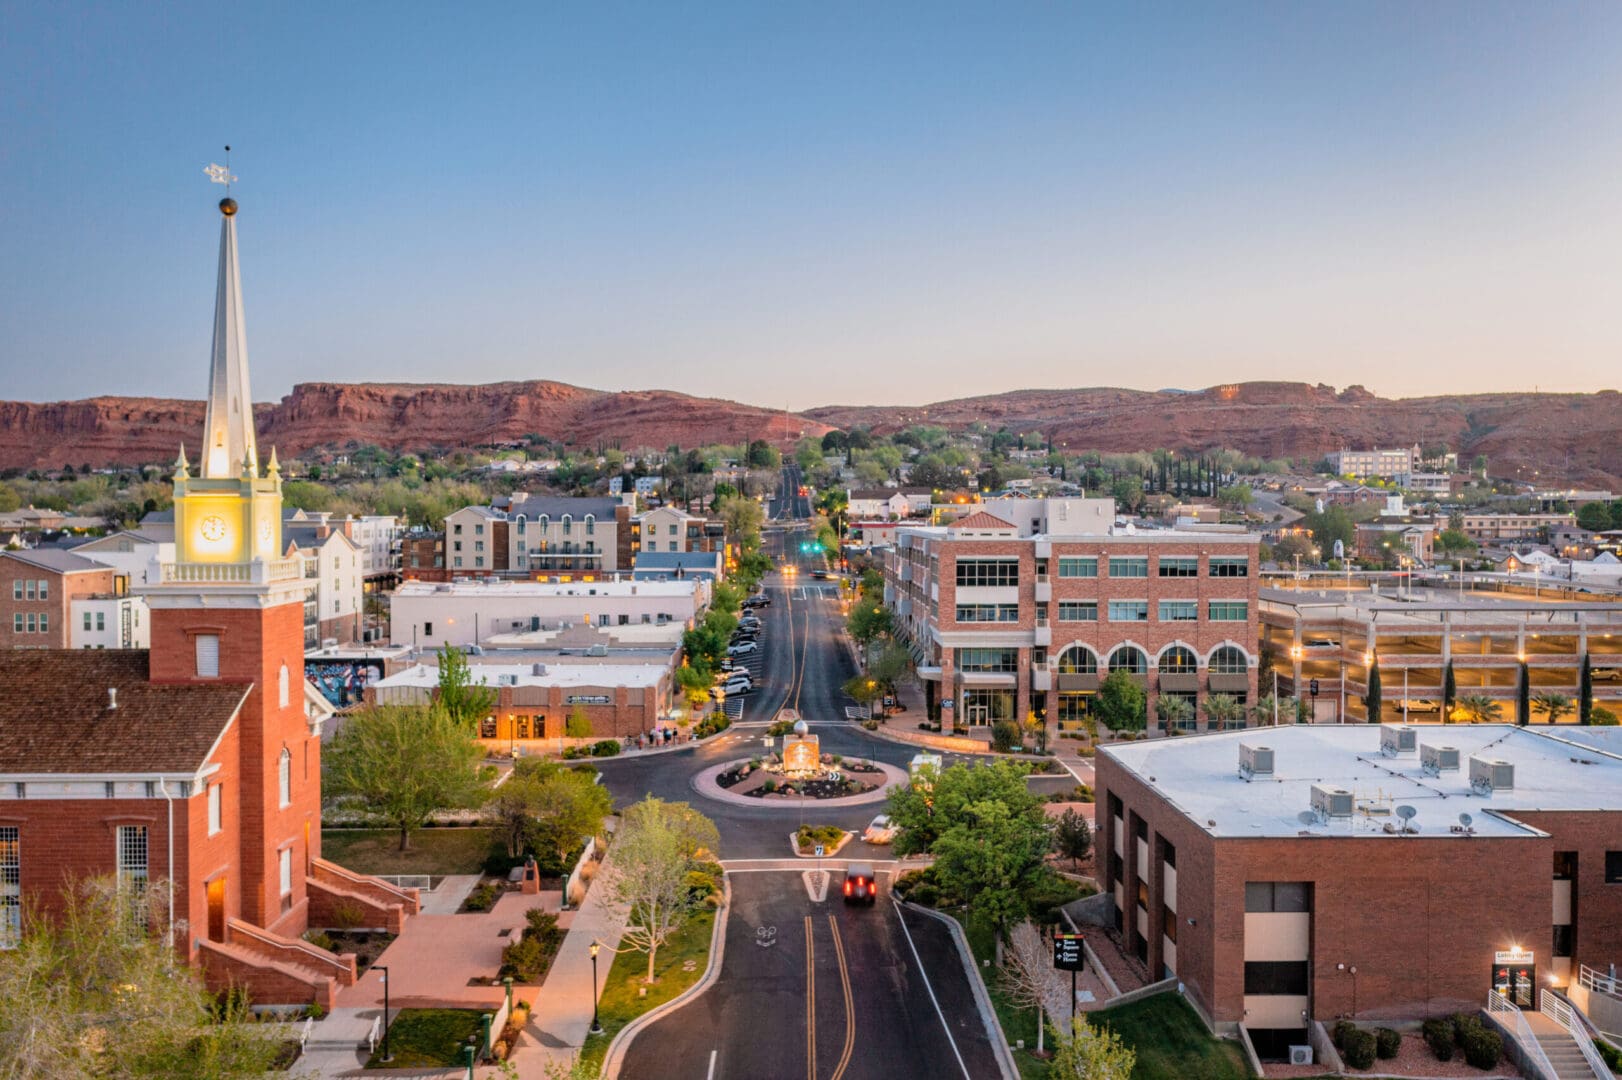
{"x": 738, "y": 688}
{"x": 743, "y": 648}
{"x": 1421, "y": 705}
{"x": 861, "y": 887}
{"x": 879, "y": 830}
{"x": 1320, "y": 643}
{"x": 1606, "y": 674}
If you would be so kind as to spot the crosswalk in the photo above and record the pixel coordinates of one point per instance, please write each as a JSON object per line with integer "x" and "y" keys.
{"x": 752, "y": 663}
{"x": 813, "y": 592}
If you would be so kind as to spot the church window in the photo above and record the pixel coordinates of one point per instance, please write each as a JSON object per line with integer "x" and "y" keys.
{"x": 208, "y": 656}
{"x": 281, "y": 687}
{"x": 284, "y": 776}
{"x": 216, "y": 812}
{"x": 11, "y": 897}
{"x": 132, "y": 874}
{"x": 286, "y": 870}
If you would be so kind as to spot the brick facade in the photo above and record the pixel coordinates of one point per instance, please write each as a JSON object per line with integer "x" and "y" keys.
{"x": 56, "y": 609}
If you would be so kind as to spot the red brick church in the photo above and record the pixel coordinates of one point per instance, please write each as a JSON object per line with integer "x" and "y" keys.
{"x": 195, "y": 764}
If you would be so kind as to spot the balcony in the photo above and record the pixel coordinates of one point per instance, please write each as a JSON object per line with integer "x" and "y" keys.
{"x": 258, "y": 572}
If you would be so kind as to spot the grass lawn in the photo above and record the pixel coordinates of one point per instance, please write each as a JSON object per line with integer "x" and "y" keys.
{"x": 433, "y": 851}
{"x": 426, "y": 1037}
{"x": 1171, "y": 1042}
{"x": 620, "y": 1004}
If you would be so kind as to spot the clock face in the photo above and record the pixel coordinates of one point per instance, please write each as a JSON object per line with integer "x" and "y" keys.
{"x": 213, "y": 528}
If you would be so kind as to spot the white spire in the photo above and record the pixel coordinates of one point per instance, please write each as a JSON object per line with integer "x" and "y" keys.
{"x": 229, "y": 425}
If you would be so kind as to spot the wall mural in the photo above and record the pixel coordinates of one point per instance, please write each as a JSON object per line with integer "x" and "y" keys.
{"x": 343, "y": 682}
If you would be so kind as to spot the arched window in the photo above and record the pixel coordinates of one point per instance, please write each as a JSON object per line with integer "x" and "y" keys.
{"x": 281, "y": 687}
{"x": 591, "y": 524}
{"x": 284, "y": 776}
{"x": 568, "y": 523}
{"x": 542, "y": 522}
{"x": 520, "y": 521}
{"x": 1178, "y": 660}
{"x": 1129, "y": 658}
{"x": 1229, "y": 660}
{"x": 1078, "y": 660}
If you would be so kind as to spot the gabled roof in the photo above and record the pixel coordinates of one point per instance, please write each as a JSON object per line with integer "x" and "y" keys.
{"x": 56, "y": 560}
{"x": 54, "y": 716}
{"x": 980, "y": 519}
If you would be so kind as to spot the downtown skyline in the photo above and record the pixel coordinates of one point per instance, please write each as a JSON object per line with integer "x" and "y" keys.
{"x": 949, "y": 202}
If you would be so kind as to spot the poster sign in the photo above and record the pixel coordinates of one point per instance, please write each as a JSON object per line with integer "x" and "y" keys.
{"x": 588, "y": 699}
{"x": 1068, "y": 954}
{"x": 1514, "y": 957}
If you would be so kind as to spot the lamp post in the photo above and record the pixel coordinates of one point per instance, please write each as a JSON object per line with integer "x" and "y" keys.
{"x": 384, "y": 971}
{"x": 596, "y": 1026}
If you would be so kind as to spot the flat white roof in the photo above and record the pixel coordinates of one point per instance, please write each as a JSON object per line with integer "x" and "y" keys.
{"x": 542, "y": 589}
{"x": 557, "y": 674}
{"x": 1556, "y": 768}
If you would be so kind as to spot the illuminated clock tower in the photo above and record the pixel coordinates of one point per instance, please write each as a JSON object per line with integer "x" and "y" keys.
{"x": 230, "y": 609}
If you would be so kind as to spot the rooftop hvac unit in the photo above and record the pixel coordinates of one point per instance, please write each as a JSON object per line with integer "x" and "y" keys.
{"x": 1331, "y": 802}
{"x": 1255, "y": 760}
{"x": 1488, "y": 775}
{"x": 1435, "y": 760}
{"x": 537, "y": 669}
{"x": 1397, "y": 739}
{"x": 597, "y": 650}
{"x": 1300, "y": 1055}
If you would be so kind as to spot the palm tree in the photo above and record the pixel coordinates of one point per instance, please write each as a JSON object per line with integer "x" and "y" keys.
{"x": 1221, "y": 710}
{"x": 1555, "y": 705}
{"x": 1479, "y": 708}
{"x": 1172, "y": 710}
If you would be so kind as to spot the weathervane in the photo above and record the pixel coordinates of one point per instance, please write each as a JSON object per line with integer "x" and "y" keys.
{"x": 221, "y": 174}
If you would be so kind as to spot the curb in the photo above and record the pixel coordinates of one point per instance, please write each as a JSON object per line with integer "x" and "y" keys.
{"x": 718, "y": 941}
{"x": 794, "y": 846}
{"x": 982, "y": 997}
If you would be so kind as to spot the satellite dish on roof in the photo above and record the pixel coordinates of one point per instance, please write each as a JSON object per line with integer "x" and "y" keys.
{"x": 1406, "y": 813}
{"x": 1466, "y": 820}
{"x": 1307, "y": 817}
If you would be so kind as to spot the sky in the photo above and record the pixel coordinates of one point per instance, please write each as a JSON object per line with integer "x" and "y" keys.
{"x": 801, "y": 204}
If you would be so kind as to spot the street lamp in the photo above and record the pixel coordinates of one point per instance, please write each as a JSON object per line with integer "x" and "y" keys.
{"x": 384, "y": 971}
{"x": 596, "y": 1026}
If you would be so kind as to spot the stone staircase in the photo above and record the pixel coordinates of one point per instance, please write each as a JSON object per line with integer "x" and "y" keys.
{"x": 275, "y": 969}
{"x": 1561, "y": 1050}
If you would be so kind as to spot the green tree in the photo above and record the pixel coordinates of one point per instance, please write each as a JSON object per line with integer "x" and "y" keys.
{"x": 402, "y": 763}
{"x": 83, "y": 996}
{"x": 1554, "y": 706}
{"x": 1121, "y": 703}
{"x": 1594, "y": 516}
{"x": 743, "y": 518}
{"x": 1585, "y": 692}
{"x": 1091, "y": 1053}
{"x": 9, "y": 499}
{"x": 1450, "y": 692}
{"x": 1236, "y": 497}
{"x": 1334, "y": 523}
{"x": 551, "y": 808}
{"x": 1453, "y": 542}
{"x": 578, "y": 724}
{"x": 1479, "y": 708}
{"x": 891, "y": 666}
{"x": 863, "y": 689}
{"x": 1371, "y": 700}
{"x": 1523, "y": 691}
{"x": 1222, "y": 711}
{"x": 657, "y": 844}
{"x": 869, "y": 620}
{"x": 1072, "y": 837}
{"x": 922, "y": 810}
{"x": 1173, "y": 711}
{"x": 991, "y": 854}
{"x": 460, "y": 697}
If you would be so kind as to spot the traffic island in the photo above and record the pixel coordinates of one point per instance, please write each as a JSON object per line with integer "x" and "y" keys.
{"x": 752, "y": 782}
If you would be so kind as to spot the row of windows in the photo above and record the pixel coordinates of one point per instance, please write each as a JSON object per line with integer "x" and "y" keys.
{"x": 1168, "y": 610}
{"x": 567, "y": 522}
{"x": 988, "y": 613}
{"x": 1177, "y": 660}
{"x": 987, "y": 572}
{"x": 31, "y": 589}
{"x": 988, "y": 660}
{"x": 31, "y": 624}
{"x": 1168, "y": 566}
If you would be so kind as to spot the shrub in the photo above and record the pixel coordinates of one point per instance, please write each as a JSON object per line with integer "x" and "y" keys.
{"x": 348, "y": 915}
{"x": 1048, "y": 894}
{"x": 701, "y": 886}
{"x": 769, "y": 786}
{"x": 319, "y": 939}
{"x": 523, "y": 959}
{"x": 1359, "y": 1048}
{"x": 542, "y": 924}
{"x": 570, "y": 753}
{"x": 605, "y": 748}
{"x": 1005, "y": 736}
{"x": 1387, "y": 1042}
{"x": 483, "y": 897}
{"x": 780, "y": 727}
{"x": 1339, "y": 1032}
{"x": 1438, "y": 1034}
{"x": 586, "y": 767}
{"x": 870, "y": 725}
{"x": 1482, "y": 1048}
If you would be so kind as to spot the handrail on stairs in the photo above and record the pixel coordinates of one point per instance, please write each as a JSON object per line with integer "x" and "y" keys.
{"x": 1559, "y": 1009}
{"x": 1498, "y": 1003}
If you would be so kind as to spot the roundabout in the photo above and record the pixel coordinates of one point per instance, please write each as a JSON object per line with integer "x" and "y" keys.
{"x": 880, "y": 776}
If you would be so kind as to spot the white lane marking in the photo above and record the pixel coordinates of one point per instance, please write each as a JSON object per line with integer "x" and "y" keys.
{"x": 925, "y": 976}
{"x": 711, "y": 1074}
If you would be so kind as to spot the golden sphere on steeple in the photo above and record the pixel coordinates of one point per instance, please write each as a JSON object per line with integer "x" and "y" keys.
{"x": 228, "y": 206}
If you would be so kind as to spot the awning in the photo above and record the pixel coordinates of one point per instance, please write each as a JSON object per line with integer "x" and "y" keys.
{"x": 1075, "y": 683}
{"x": 1229, "y": 684}
{"x": 1187, "y": 682}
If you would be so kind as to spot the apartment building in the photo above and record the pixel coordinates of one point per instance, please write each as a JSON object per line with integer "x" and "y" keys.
{"x": 38, "y": 588}
{"x": 476, "y": 541}
{"x": 1376, "y": 872}
{"x": 334, "y": 587}
{"x": 422, "y": 553}
{"x": 1025, "y": 605}
{"x": 1512, "y": 528}
{"x": 1387, "y": 464}
{"x": 668, "y": 529}
{"x": 530, "y": 535}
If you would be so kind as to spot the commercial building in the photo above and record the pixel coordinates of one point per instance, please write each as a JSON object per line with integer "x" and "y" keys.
{"x": 1302, "y": 873}
{"x": 530, "y": 535}
{"x": 38, "y": 589}
{"x": 1387, "y": 464}
{"x": 429, "y": 615}
{"x": 667, "y": 529}
{"x": 887, "y": 503}
{"x": 1025, "y": 605}
{"x": 1329, "y": 638}
{"x": 1509, "y": 528}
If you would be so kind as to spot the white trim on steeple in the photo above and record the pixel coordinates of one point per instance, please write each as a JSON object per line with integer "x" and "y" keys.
{"x": 228, "y": 429}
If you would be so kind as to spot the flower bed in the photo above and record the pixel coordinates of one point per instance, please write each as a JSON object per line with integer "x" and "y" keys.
{"x": 763, "y": 778}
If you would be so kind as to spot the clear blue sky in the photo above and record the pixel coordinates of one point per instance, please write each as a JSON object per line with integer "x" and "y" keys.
{"x": 802, "y": 204}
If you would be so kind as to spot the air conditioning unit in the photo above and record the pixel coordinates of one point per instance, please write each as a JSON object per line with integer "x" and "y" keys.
{"x": 1331, "y": 802}
{"x": 1300, "y": 1055}
{"x": 597, "y": 650}
{"x": 1397, "y": 739}
{"x": 1255, "y": 761}
{"x": 537, "y": 669}
{"x": 1435, "y": 760}
{"x": 1488, "y": 775}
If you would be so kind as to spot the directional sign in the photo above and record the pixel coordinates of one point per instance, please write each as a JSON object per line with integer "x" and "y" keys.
{"x": 819, "y": 851}
{"x": 1067, "y": 953}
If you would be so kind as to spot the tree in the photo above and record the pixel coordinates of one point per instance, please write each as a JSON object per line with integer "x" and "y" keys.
{"x": 460, "y": 697}
{"x": 1523, "y": 704}
{"x": 1072, "y": 837}
{"x": 578, "y": 724}
{"x": 1453, "y": 542}
{"x": 1554, "y": 706}
{"x": 743, "y": 518}
{"x": 1371, "y": 700}
{"x": 82, "y": 994}
{"x": 1236, "y": 497}
{"x": 1173, "y": 711}
{"x": 1028, "y": 976}
{"x": 863, "y": 690}
{"x": 1594, "y": 516}
{"x": 658, "y": 843}
{"x": 1090, "y": 1053}
{"x": 922, "y": 811}
{"x": 1479, "y": 708}
{"x": 991, "y": 855}
{"x": 1334, "y": 523}
{"x": 891, "y": 666}
{"x": 1121, "y": 703}
{"x": 1450, "y": 692}
{"x": 546, "y": 808}
{"x": 1222, "y": 711}
{"x": 1585, "y": 692}
{"x": 869, "y": 620}
{"x": 402, "y": 763}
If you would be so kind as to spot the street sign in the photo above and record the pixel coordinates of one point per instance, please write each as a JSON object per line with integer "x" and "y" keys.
{"x": 1312, "y": 688}
{"x": 1067, "y": 953}
{"x": 819, "y": 851}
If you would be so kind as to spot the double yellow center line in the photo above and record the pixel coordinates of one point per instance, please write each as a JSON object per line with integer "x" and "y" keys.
{"x": 811, "y": 1002}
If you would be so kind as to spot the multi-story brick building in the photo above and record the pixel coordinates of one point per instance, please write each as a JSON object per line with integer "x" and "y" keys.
{"x": 538, "y": 535}
{"x": 1025, "y": 605}
{"x": 1510, "y": 528}
{"x": 1363, "y": 871}
{"x": 668, "y": 529}
{"x": 38, "y": 588}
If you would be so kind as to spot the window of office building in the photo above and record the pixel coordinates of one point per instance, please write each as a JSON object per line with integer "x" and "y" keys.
{"x": 988, "y": 660}
{"x": 1228, "y": 610}
{"x": 1179, "y": 611}
{"x": 1179, "y": 566}
{"x": 1078, "y": 660}
{"x": 1278, "y": 896}
{"x": 992, "y": 613}
{"x": 987, "y": 572}
{"x": 1178, "y": 660}
{"x": 1276, "y": 977}
{"x": 1129, "y": 611}
{"x": 1078, "y": 566}
{"x": 1230, "y": 566}
{"x": 1129, "y": 566}
{"x": 1229, "y": 660}
{"x": 1613, "y": 868}
{"x": 1078, "y": 610}
{"x": 1129, "y": 658}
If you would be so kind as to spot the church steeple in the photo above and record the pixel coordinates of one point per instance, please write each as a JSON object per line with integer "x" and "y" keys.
{"x": 229, "y": 448}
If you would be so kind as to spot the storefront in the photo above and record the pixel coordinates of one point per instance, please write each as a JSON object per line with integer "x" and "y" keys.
{"x": 1514, "y": 975}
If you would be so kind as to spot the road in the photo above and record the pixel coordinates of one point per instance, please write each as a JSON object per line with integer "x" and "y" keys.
{"x": 843, "y": 993}
{"x": 788, "y": 504}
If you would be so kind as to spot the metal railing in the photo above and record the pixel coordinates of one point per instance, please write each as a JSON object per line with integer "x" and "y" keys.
{"x": 1598, "y": 981}
{"x": 249, "y": 573}
{"x": 304, "y": 1030}
{"x": 1557, "y": 1007}
{"x": 374, "y": 1035}
{"x": 408, "y": 881}
{"x": 1511, "y": 1017}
